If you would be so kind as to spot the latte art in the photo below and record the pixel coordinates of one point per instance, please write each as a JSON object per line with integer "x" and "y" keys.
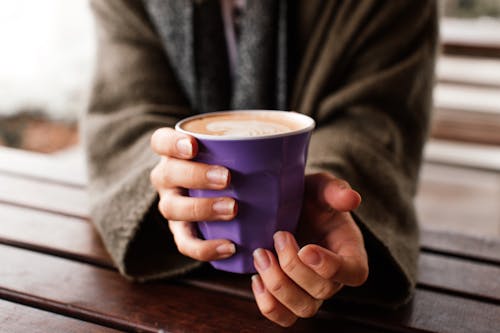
{"x": 245, "y": 128}
{"x": 229, "y": 125}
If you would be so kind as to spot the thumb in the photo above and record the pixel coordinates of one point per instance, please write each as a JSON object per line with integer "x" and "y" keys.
{"x": 340, "y": 196}
{"x": 333, "y": 192}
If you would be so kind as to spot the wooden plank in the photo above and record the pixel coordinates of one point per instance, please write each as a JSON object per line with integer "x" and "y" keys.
{"x": 473, "y": 247}
{"x": 19, "y": 318}
{"x": 470, "y": 37}
{"x": 468, "y": 71}
{"x": 68, "y": 200}
{"x": 44, "y": 196}
{"x": 68, "y": 169}
{"x": 467, "y": 112}
{"x": 481, "y": 100}
{"x": 470, "y": 279}
{"x": 466, "y": 126}
{"x": 467, "y": 155}
{"x": 429, "y": 311}
{"x": 50, "y": 233}
{"x": 75, "y": 239}
{"x": 101, "y": 295}
{"x": 449, "y": 198}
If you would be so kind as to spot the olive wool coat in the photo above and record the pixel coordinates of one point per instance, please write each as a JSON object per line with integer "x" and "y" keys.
{"x": 362, "y": 69}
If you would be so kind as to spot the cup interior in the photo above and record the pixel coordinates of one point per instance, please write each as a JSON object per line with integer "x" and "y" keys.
{"x": 295, "y": 122}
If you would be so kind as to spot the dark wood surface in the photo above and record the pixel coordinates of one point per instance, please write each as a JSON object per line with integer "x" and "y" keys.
{"x": 15, "y": 317}
{"x": 55, "y": 272}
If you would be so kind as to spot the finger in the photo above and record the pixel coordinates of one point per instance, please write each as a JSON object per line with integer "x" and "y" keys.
{"x": 323, "y": 262}
{"x": 168, "y": 142}
{"x": 350, "y": 270}
{"x": 318, "y": 286}
{"x": 174, "y": 206}
{"x": 333, "y": 192}
{"x": 173, "y": 172}
{"x": 188, "y": 243}
{"x": 282, "y": 287}
{"x": 354, "y": 269}
{"x": 269, "y": 306}
{"x": 346, "y": 240}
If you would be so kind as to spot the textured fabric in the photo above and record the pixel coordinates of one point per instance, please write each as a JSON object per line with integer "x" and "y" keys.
{"x": 213, "y": 89}
{"x": 259, "y": 80}
{"x": 362, "y": 69}
{"x": 231, "y": 16}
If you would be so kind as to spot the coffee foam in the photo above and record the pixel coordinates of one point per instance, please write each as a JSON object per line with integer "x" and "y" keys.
{"x": 248, "y": 128}
{"x": 243, "y": 124}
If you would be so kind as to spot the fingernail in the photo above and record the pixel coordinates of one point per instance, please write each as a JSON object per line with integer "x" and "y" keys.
{"x": 226, "y": 249}
{"x": 257, "y": 284}
{"x": 223, "y": 207}
{"x": 217, "y": 175}
{"x": 184, "y": 147}
{"x": 280, "y": 240}
{"x": 310, "y": 257}
{"x": 261, "y": 259}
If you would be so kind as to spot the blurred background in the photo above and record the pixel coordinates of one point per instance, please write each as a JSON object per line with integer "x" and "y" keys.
{"x": 46, "y": 66}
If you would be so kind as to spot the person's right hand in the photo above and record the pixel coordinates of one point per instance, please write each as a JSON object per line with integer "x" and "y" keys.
{"x": 172, "y": 176}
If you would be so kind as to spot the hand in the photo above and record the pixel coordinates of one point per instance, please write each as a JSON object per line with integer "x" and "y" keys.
{"x": 172, "y": 176}
{"x": 300, "y": 279}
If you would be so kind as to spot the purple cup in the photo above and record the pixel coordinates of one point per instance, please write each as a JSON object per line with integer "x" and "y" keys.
{"x": 267, "y": 181}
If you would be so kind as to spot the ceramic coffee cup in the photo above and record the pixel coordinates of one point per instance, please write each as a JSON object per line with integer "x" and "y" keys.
{"x": 267, "y": 165}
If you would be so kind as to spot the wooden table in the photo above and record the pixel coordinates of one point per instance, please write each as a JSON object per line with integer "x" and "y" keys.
{"x": 55, "y": 275}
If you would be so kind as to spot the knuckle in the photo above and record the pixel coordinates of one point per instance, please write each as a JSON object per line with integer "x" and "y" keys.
{"x": 155, "y": 137}
{"x": 269, "y": 309}
{"x": 158, "y": 175}
{"x": 307, "y": 310}
{"x": 160, "y": 139}
{"x": 324, "y": 291}
{"x": 182, "y": 249}
{"x": 200, "y": 209}
{"x": 163, "y": 207}
{"x": 200, "y": 254}
{"x": 277, "y": 286}
{"x": 153, "y": 177}
{"x": 289, "y": 265}
{"x": 287, "y": 322}
{"x": 190, "y": 171}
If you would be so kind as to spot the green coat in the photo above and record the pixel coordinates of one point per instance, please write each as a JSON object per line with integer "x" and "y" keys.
{"x": 364, "y": 72}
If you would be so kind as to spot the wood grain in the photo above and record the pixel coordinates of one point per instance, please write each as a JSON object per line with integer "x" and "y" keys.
{"x": 60, "y": 235}
{"x": 73, "y": 202}
{"x": 19, "y": 318}
{"x": 475, "y": 248}
{"x": 103, "y": 296}
{"x": 68, "y": 168}
{"x": 429, "y": 312}
{"x": 44, "y": 196}
{"x": 470, "y": 279}
{"x": 76, "y": 239}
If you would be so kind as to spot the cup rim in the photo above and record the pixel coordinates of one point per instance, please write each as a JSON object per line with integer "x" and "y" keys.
{"x": 308, "y": 121}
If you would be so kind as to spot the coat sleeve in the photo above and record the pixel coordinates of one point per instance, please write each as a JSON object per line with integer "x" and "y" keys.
{"x": 366, "y": 76}
{"x": 134, "y": 93}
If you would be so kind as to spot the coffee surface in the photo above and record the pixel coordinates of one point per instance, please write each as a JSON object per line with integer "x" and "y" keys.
{"x": 243, "y": 124}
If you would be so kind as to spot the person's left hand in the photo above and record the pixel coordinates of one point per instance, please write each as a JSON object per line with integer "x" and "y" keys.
{"x": 297, "y": 282}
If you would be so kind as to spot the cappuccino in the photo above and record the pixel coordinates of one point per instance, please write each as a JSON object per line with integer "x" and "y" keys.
{"x": 266, "y": 153}
{"x": 245, "y": 124}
